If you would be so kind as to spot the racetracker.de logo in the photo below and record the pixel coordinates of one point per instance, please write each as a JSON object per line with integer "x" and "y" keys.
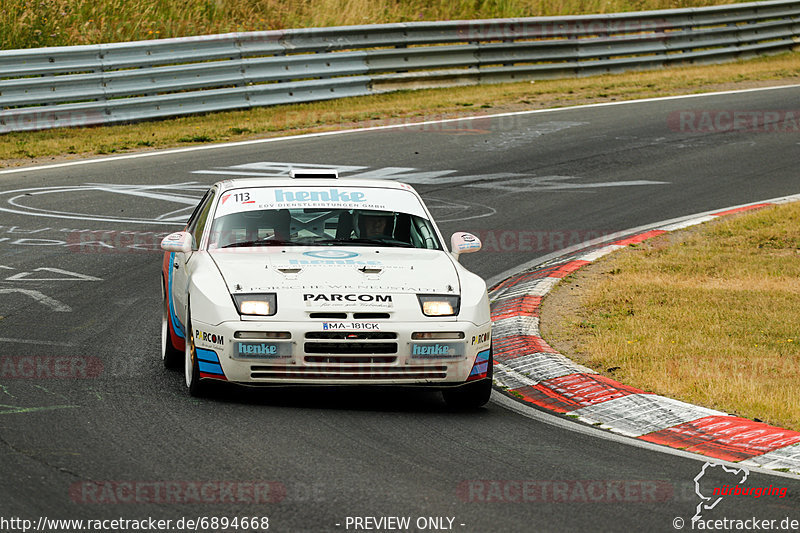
{"x": 50, "y": 367}
{"x": 510, "y": 29}
{"x": 109, "y": 242}
{"x": 735, "y": 120}
{"x": 28, "y": 120}
{"x": 510, "y": 240}
{"x": 206, "y": 492}
{"x": 564, "y": 491}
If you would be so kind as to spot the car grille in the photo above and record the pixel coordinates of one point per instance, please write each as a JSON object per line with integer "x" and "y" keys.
{"x": 350, "y": 335}
{"x": 328, "y": 316}
{"x": 340, "y": 315}
{"x": 351, "y": 373}
{"x": 349, "y": 356}
{"x": 370, "y": 316}
{"x": 349, "y": 359}
{"x": 350, "y": 343}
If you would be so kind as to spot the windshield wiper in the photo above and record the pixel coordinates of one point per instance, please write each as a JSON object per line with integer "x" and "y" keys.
{"x": 367, "y": 242}
{"x": 261, "y": 242}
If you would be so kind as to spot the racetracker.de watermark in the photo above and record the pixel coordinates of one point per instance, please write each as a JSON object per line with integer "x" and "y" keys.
{"x": 511, "y": 29}
{"x": 112, "y": 242}
{"x": 177, "y": 492}
{"x": 734, "y": 120}
{"x": 50, "y": 367}
{"x": 516, "y": 240}
{"x": 42, "y": 119}
{"x": 564, "y": 491}
{"x": 492, "y": 240}
{"x": 748, "y": 524}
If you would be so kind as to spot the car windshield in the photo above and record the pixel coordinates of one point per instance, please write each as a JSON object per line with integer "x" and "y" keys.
{"x": 322, "y": 227}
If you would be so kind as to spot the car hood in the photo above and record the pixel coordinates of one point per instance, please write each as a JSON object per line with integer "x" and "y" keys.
{"x": 390, "y": 270}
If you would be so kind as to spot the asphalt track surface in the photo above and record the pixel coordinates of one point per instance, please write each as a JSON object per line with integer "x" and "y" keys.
{"x": 113, "y": 415}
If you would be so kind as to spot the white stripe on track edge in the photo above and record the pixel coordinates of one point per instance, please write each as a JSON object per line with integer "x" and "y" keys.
{"x": 550, "y": 419}
{"x": 173, "y": 151}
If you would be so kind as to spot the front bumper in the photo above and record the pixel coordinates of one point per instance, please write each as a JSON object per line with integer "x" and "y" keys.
{"x": 341, "y": 352}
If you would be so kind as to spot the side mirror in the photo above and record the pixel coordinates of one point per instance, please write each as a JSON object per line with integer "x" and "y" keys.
{"x": 180, "y": 241}
{"x": 464, "y": 243}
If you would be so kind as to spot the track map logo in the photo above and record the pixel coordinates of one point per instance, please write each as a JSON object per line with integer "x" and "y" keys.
{"x": 717, "y": 482}
{"x": 709, "y": 502}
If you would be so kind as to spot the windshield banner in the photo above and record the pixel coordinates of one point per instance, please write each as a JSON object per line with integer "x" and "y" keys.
{"x": 293, "y": 197}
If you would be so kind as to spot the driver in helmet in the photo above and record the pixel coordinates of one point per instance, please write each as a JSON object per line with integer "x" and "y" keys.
{"x": 375, "y": 224}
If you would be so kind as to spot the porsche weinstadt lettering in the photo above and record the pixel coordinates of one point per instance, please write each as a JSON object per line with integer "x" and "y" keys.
{"x": 360, "y": 262}
{"x": 290, "y": 285}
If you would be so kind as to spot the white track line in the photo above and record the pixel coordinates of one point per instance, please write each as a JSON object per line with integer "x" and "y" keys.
{"x": 380, "y": 128}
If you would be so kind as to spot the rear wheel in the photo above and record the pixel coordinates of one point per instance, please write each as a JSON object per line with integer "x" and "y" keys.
{"x": 472, "y": 395}
{"x": 194, "y": 384}
{"x": 171, "y": 357}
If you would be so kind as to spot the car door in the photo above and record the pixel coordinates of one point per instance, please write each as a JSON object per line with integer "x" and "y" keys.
{"x": 182, "y": 262}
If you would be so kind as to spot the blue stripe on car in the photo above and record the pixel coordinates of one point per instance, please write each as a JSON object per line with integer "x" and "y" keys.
{"x": 208, "y": 362}
{"x": 209, "y": 356}
{"x": 479, "y": 369}
{"x": 177, "y": 327}
{"x": 210, "y": 368}
{"x": 481, "y": 363}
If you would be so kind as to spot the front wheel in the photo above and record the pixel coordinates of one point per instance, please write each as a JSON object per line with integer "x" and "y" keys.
{"x": 194, "y": 384}
{"x": 472, "y": 395}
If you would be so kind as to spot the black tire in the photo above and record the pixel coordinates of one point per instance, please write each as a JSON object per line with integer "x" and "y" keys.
{"x": 472, "y": 395}
{"x": 171, "y": 357}
{"x": 196, "y": 386}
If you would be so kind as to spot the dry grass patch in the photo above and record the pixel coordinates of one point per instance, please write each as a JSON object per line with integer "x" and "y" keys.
{"x": 36, "y": 23}
{"x": 707, "y": 316}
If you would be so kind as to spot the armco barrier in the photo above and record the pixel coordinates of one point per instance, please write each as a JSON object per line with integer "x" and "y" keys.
{"x": 123, "y": 82}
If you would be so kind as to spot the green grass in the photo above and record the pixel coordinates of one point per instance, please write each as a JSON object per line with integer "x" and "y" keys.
{"x": 37, "y": 23}
{"x": 707, "y": 316}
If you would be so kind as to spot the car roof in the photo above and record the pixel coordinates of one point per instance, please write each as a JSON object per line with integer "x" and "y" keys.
{"x": 242, "y": 183}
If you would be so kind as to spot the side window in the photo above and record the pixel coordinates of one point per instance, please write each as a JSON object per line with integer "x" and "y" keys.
{"x": 193, "y": 217}
{"x": 422, "y": 235}
{"x": 197, "y": 222}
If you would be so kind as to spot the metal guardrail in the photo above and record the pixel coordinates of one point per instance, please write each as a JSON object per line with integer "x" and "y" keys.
{"x": 124, "y": 82}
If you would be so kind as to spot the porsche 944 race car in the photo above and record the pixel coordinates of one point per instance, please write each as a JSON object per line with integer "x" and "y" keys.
{"x": 318, "y": 280}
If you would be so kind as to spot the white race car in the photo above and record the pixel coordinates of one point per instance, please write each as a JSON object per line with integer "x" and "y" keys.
{"x": 317, "y": 280}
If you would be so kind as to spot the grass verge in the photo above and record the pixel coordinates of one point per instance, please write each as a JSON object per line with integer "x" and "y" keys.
{"x": 36, "y": 23}
{"x": 25, "y": 148}
{"x": 706, "y": 315}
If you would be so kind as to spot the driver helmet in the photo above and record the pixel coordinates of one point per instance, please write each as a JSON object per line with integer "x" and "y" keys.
{"x": 372, "y": 224}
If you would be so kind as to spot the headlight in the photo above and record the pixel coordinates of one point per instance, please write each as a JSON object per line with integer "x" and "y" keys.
{"x": 256, "y": 304}
{"x": 436, "y": 305}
